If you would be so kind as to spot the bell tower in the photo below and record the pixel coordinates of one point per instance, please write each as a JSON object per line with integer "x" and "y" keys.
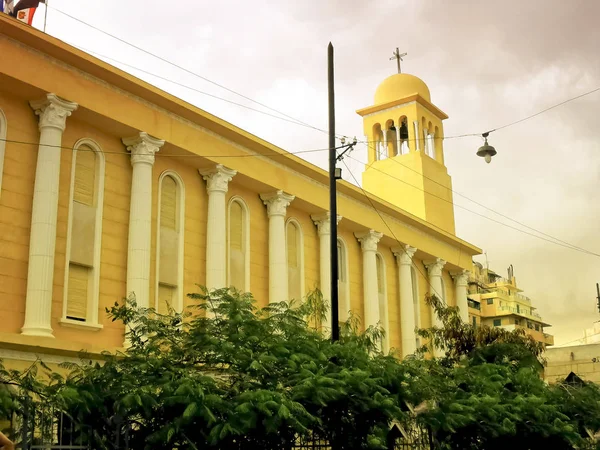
{"x": 405, "y": 141}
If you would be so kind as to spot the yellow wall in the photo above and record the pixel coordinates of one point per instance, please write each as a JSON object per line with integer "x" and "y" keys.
{"x": 106, "y": 115}
{"x": 15, "y": 210}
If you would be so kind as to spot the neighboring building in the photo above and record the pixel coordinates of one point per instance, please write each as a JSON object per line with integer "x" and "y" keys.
{"x": 111, "y": 186}
{"x": 497, "y": 302}
{"x": 591, "y": 335}
{"x": 582, "y": 360}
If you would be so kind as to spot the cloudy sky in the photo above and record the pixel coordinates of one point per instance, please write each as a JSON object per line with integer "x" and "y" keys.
{"x": 487, "y": 63}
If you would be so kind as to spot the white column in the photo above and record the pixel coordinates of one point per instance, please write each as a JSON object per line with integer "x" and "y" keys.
{"x": 322, "y": 221}
{"x": 368, "y": 243}
{"x": 277, "y": 203}
{"x": 404, "y": 257}
{"x": 142, "y": 148}
{"x": 461, "y": 280}
{"x": 217, "y": 184}
{"x": 53, "y": 113}
{"x": 434, "y": 268}
{"x": 417, "y": 137}
{"x": 385, "y": 148}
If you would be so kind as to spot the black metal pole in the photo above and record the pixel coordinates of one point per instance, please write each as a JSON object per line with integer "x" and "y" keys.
{"x": 335, "y": 328}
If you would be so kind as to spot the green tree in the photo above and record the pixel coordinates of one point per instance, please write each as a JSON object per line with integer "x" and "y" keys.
{"x": 236, "y": 376}
{"x": 487, "y": 393}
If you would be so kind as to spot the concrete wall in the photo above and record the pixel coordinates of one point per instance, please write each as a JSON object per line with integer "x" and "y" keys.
{"x": 578, "y": 359}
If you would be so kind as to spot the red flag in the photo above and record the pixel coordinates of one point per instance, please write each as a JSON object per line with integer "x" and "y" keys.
{"x": 26, "y": 15}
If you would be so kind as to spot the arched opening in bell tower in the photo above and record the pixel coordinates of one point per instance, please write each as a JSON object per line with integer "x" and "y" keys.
{"x": 391, "y": 139}
{"x": 403, "y": 136}
{"x": 378, "y": 141}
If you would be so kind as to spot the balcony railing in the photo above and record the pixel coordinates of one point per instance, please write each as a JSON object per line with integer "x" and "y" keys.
{"x": 520, "y": 311}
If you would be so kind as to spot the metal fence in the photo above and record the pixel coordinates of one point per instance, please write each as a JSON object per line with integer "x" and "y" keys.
{"x": 41, "y": 427}
{"x": 36, "y": 426}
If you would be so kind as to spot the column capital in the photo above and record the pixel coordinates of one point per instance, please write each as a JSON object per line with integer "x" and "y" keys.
{"x": 53, "y": 111}
{"x": 368, "y": 240}
{"x": 460, "y": 277}
{"x": 404, "y": 254}
{"x": 142, "y": 148}
{"x": 435, "y": 266}
{"x": 217, "y": 178}
{"x": 277, "y": 202}
{"x": 323, "y": 222}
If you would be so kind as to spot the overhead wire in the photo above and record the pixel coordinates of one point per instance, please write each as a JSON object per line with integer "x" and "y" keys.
{"x": 208, "y": 94}
{"x": 162, "y": 155}
{"x": 544, "y": 110}
{"x": 431, "y": 287}
{"x": 208, "y": 80}
{"x": 478, "y": 214}
{"x": 368, "y": 165}
{"x": 291, "y": 119}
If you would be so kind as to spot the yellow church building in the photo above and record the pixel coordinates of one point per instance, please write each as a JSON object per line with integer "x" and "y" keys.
{"x": 110, "y": 186}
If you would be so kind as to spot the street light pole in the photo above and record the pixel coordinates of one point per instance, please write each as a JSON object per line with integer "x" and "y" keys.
{"x": 335, "y": 327}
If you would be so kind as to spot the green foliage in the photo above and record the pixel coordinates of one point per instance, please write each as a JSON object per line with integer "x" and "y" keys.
{"x": 487, "y": 393}
{"x": 230, "y": 375}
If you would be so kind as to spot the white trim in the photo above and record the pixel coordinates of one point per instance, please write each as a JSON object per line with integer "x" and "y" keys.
{"x": 300, "y": 245}
{"x": 346, "y": 301}
{"x": 384, "y": 313}
{"x": 93, "y": 305}
{"x": 3, "y": 128}
{"x": 246, "y": 239}
{"x": 19, "y": 355}
{"x": 180, "y": 238}
{"x": 443, "y": 293}
{"x": 416, "y": 301}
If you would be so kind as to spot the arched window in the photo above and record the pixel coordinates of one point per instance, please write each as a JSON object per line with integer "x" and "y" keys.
{"x": 378, "y": 137}
{"x": 404, "y": 136}
{"x": 238, "y": 245}
{"x": 170, "y": 243}
{"x": 391, "y": 138}
{"x": 343, "y": 281}
{"x": 295, "y": 259}
{"x": 416, "y": 302}
{"x": 443, "y": 293}
{"x": 437, "y": 145}
{"x": 383, "y": 304}
{"x": 3, "y": 127}
{"x": 430, "y": 141}
{"x": 82, "y": 272}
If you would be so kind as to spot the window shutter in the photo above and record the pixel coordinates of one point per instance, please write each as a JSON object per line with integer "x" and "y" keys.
{"x": 292, "y": 245}
{"x": 379, "y": 274}
{"x": 77, "y": 296}
{"x": 236, "y": 226}
{"x": 85, "y": 176}
{"x": 168, "y": 203}
{"x": 341, "y": 263}
{"x": 165, "y": 297}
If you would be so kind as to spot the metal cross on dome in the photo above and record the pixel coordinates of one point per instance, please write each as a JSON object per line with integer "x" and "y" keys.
{"x": 398, "y": 57}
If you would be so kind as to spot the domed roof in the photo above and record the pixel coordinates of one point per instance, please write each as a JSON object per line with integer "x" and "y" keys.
{"x": 399, "y": 86}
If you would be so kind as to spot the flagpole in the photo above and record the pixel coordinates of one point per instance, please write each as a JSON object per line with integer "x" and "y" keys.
{"x": 45, "y": 14}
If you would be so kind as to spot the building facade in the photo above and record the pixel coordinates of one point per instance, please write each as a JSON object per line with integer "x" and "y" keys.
{"x": 496, "y": 301}
{"x": 110, "y": 186}
{"x": 582, "y": 360}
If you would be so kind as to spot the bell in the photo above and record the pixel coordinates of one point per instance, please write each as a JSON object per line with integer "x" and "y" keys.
{"x": 486, "y": 151}
{"x": 392, "y": 128}
{"x": 403, "y": 131}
